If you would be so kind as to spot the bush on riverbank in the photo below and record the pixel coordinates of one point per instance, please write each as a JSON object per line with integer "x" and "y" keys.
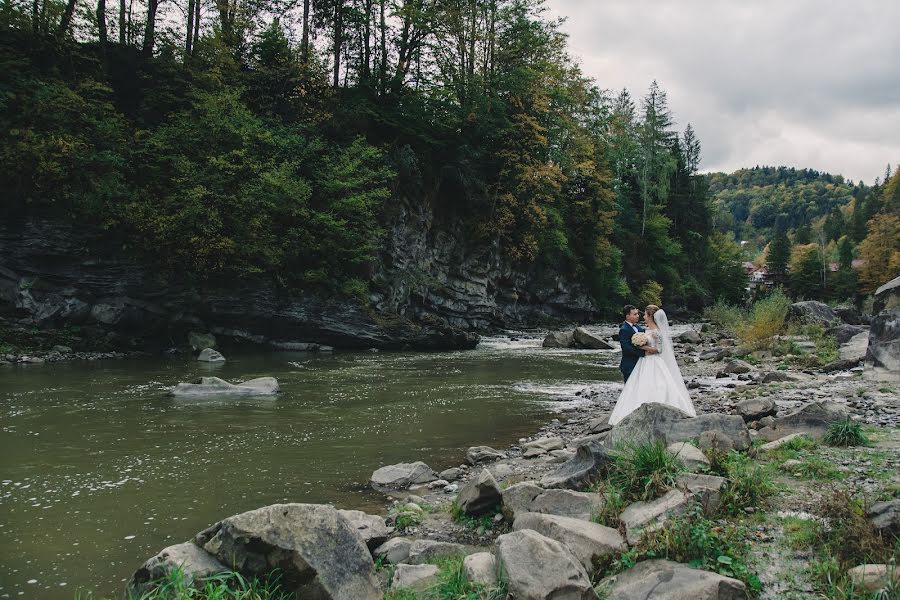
{"x": 224, "y": 586}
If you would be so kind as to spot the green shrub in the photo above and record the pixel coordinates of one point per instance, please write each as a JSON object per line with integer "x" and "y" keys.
{"x": 766, "y": 320}
{"x": 614, "y": 503}
{"x": 224, "y": 586}
{"x": 749, "y": 483}
{"x": 644, "y": 471}
{"x": 699, "y": 542}
{"x": 727, "y": 316}
{"x": 846, "y": 433}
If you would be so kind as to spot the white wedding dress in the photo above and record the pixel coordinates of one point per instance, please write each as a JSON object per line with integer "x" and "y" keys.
{"x": 656, "y": 377}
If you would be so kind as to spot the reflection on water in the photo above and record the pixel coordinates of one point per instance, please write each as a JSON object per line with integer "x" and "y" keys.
{"x": 100, "y": 468}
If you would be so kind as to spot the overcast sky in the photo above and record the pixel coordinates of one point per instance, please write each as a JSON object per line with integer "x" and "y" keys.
{"x": 803, "y": 83}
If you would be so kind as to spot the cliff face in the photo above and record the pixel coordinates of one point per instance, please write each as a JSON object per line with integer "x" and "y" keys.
{"x": 431, "y": 292}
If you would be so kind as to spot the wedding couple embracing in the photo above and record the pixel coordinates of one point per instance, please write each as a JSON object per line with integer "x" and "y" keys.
{"x": 648, "y": 364}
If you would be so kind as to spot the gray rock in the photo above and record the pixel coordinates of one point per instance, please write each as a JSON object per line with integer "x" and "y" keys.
{"x": 887, "y": 296}
{"x": 648, "y": 516}
{"x": 716, "y": 354}
{"x": 481, "y": 454}
{"x": 538, "y": 568}
{"x": 584, "y": 339}
{"x": 481, "y": 568}
{"x": 657, "y": 421}
{"x": 194, "y": 562}
{"x": 855, "y": 348}
{"x": 778, "y": 443}
{"x": 667, "y": 580}
{"x": 567, "y": 503}
{"x": 479, "y": 495}
{"x": 811, "y": 311}
{"x": 754, "y": 409}
{"x": 371, "y": 528}
{"x": 319, "y": 553}
{"x": 533, "y": 452}
{"x": 423, "y": 551}
{"x": 591, "y": 461}
{"x": 201, "y": 341}
{"x": 394, "y": 551}
{"x": 688, "y": 454}
{"x": 737, "y": 367}
{"x": 501, "y": 470}
{"x": 844, "y": 333}
{"x": 587, "y": 541}
{"x": 885, "y": 517}
{"x": 690, "y": 336}
{"x": 62, "y": 349}
{"x": 451, "y": 474}
{"x": 883, "y": 353}
{"x": 546, "y": 444}
{"x": 874, "y": 577}
{"x": 211, "y": 356}
{"x": 518, "y": 498}
{"x": 813, "y": 418}
{"x": 213, "y": 386}
{"x": 598, "y": 425}
{"x": 715, "y": 440}
{"x": 778, "y": 377}
{"x": 706, "y": 488}
{"x": 559, "y": 339}
{"x": 850, "y": 315}
{"x": 840, "y": 365}
{"x": 417, "y": 578}
{"x": 401, "y": 476}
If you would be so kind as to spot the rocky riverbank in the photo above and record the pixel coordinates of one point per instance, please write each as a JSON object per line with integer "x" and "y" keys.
{"x": 550, "y": 516}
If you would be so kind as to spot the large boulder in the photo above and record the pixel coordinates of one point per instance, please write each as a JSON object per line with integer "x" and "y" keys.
{"x": 481, "y": 568}
{"x": 754, "y": 409}
{"x": 883, "y": 353}
{"x": 401, "y": 476}
{"x": 737, "y": 367}
{"x": 813, "y": 419}
{"x": 649, "y": 516}
{"x": 482, "y": 454}
{"x": 885, "y": 518}
{"x": 480, "y": 495}
{"x": 811, "y": 311}
{"x": 587, "y": 541}
{"x": 417, "y": 578}
{"x": 707, "y": 489}
{"x": 667, "y": 580}
{"x": 850, "y": 315}
{"x": 213, "y": 386}
{"x": 855, "y": 348}
{"x": 395, "y": 550}
{"x": 211, "y": 356}
{"x": 591, "y": 461}
{"x": 843, "y": 333}
{"x": 518, "y": 497}
{"x": 874, "y": 577}
{"x": 567, "y": 503}
{"x": 689, "y": 455}
{"x": 194, "y": 562}
{"x": 654, "y": 421}
{"x": 584, "y": 339}
{"x": 371, "y": 528}
{"x": 538, "y": 568}
{"x": 559, "y": 339}
{"x": 318, "y": 552}
{"x": 425, "y": 551}
{"x": 689, "y": 337}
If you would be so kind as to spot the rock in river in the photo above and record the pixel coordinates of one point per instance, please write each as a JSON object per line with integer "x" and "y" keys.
{"x": 213, "y": 386}
{"x": 401, "y": 476}
{"x": 211, "y": 356}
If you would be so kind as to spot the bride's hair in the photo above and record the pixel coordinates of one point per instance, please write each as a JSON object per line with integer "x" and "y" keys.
{"x": 651, "y": 308}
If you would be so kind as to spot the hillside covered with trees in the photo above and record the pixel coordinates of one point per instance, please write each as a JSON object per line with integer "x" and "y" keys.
{"x": 282, "y": 139}
{"x": 823, "y": 237}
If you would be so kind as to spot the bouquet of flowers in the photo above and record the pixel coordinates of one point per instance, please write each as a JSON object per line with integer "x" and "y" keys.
{"x": 639, "y": 339}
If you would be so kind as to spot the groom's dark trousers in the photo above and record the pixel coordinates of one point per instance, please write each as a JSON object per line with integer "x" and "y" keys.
{"x": 630, "y": 352}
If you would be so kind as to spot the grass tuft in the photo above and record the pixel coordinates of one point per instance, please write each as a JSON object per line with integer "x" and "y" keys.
{"x": 749, "y": 483}
{"x": 224, "y": 586}
{"x": 645, "y": 471}
{"x": 846, "y": 433}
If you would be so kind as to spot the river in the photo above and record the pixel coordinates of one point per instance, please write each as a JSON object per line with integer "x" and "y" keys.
{"x": 100, "y": 468}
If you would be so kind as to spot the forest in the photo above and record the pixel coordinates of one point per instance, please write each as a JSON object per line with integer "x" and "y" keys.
{"x": 822, "y": 237}
{"x": 237, "y": 137}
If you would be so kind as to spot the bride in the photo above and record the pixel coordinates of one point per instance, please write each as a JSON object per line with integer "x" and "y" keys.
{"x": 656, "y": 378}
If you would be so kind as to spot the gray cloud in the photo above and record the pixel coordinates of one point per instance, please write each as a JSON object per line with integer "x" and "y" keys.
{"x": 804, "y": 83}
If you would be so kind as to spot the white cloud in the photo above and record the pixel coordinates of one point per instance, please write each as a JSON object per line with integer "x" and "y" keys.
{"x": 803, "y": 83}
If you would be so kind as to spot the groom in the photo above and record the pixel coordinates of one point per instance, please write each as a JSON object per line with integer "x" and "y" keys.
{"x": 630, "y": 352}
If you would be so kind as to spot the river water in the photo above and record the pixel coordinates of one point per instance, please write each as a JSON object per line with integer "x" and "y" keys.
{"x": 100, "y": 468}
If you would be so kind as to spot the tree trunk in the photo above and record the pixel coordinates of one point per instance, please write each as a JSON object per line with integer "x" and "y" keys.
{"x": 35, "y": 16}
{"x": 66, "y": 19}
{"x": 196, "y": 26}
{"x": 382, "y": 68}
{"x": 304, "y": 45}
{"x": 338, "y": 40}
{"x": 101, "y": 22}
{"x": 122, "y": 22}
{"x": 367, "y": 43}
{"x": 150, "y": 29}
{"x": 189, "y": 34}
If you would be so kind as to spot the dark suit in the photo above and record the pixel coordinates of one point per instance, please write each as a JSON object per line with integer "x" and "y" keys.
{"x": 630, "y": 352}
